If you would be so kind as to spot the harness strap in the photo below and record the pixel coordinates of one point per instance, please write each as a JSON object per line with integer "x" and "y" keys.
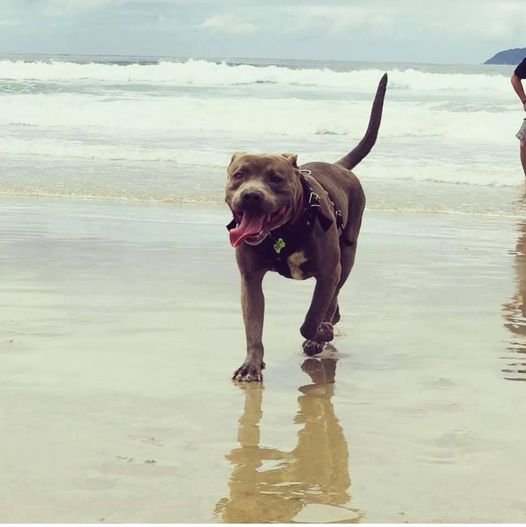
{"x": 314, "y": 201}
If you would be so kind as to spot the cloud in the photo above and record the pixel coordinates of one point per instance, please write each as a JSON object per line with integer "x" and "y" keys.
{"x": 229, "y": 24}
{"x": 486, "y": 21}
{"x": 340, "y": 19}
{"x": 58, "y": 6}
{"x": 9, "y": 22}
{"x": 409, "y": 30}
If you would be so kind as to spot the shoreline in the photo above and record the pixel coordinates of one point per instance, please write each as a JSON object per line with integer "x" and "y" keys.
{"x": 397, "y": 197}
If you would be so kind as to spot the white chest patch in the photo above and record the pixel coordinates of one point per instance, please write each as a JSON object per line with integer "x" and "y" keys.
{"x": 294, "y": 261}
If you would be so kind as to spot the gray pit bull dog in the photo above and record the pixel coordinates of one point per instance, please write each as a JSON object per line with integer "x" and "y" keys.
{"x": 302, "y": 222}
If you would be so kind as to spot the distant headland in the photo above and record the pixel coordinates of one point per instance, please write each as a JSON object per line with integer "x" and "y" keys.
{"x": 508, "y": 56}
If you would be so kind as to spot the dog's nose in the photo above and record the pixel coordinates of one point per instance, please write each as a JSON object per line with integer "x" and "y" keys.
{"x": 252, "y": 197}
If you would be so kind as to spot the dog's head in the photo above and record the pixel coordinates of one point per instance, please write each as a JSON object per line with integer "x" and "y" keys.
{"x": 264, "y": 192}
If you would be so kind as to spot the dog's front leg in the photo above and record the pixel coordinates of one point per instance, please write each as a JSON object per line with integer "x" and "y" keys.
{"x": 314, "y": 328}
{"x": 253, "y": 306}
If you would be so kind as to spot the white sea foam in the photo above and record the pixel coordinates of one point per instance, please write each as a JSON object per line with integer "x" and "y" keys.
{"x": 204, "y": 73}
{"x": 251, "y": 115}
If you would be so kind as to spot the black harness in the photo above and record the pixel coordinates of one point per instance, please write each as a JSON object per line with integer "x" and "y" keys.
{"x": 290, "y": 238}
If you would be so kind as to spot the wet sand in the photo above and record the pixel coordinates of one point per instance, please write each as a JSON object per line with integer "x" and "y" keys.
{"x": 121, "y": 327}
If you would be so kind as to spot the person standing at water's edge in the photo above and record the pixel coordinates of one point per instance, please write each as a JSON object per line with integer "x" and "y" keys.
{"x": 516, "y": 81}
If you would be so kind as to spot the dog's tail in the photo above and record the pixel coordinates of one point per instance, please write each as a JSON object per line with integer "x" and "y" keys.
{"x": 364, "y": 146}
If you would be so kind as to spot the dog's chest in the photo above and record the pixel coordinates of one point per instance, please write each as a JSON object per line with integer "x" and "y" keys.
{"x": 299, "y": 266}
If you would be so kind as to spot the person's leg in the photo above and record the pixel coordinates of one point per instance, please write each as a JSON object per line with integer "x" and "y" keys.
{"x": 523, "y": 156}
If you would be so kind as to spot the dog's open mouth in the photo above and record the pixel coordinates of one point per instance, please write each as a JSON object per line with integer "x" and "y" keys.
{"x": 254, "y": 227}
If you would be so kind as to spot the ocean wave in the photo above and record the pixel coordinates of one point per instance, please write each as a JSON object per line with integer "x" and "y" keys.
{"x": 212, "y": 74}
{"x": 253, "y": 117}
{"x": 77, "y": 150}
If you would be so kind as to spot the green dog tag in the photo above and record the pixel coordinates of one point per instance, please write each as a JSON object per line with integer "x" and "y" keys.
{"x": 279, "y": 245}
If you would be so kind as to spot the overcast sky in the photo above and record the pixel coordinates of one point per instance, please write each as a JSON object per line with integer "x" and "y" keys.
{"x": 443, "y": 31}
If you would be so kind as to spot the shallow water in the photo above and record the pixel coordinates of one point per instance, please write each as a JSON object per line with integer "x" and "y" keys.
{"x": 122, "y": 327}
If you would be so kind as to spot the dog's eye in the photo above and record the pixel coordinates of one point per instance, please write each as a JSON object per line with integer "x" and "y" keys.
{"x": 237, "y": 176}
{"x": 275, "y": 178}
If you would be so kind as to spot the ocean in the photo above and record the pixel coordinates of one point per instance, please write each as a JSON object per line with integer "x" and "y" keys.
{"x": 163, "y": 130}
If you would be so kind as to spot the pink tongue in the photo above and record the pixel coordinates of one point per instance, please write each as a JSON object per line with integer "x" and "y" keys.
{"x": 251, "y": 224}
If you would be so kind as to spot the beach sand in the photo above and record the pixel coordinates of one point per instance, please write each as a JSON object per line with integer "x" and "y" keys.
{"x": 121, "y": 327}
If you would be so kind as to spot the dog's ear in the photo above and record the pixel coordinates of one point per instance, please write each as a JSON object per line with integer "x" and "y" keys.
{"x": 236, "y": 156}
{"x": 292, "y": 159}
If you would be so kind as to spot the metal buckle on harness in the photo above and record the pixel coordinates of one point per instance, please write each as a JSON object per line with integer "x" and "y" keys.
{"x": 313, "y": 203}
{"x": 314, "y": 199}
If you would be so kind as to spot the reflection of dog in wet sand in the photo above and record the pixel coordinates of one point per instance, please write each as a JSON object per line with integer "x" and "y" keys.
{"x": 316, "y": 471}
{"x": 302, "y": 222}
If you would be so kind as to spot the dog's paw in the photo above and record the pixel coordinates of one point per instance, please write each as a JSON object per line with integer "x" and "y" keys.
{"x": 249, "y": 372}
{"x": 313, "y": 347}
{"x": 325, "y": 332}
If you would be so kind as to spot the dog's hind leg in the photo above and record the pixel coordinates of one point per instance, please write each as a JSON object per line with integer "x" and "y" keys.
{"x": 347, "y": 261}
